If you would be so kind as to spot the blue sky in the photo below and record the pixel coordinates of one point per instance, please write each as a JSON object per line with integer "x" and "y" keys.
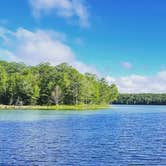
{"x": 121, "y": 40}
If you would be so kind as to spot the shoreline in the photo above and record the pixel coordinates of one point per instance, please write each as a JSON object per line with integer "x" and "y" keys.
{"x": 55, "y": 107}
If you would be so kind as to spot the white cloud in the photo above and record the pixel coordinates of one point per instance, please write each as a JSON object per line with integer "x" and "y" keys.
{"x": 4, "y": 33}
{"x": 63, "y": 8}
{"x": 162, "y": 75}
{"x": 126, "y": 65}
{"x": 34, "y": 47}
{"x": 7, "y": 55}
{"x": 141, "y": 84}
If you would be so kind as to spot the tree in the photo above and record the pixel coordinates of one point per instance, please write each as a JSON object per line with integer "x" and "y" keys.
{"x": 113, "y": 93}
{"x": 56, "y": 95}
{"x": 3, "y": 81}
{"x": 146, "y": 98}
{"x": 45, "y": 84}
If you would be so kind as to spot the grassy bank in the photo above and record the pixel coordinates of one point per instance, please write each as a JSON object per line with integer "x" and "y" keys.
{"x": 58, "y": 107}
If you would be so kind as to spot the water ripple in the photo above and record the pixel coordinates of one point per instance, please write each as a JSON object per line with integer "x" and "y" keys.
{"x": 113, "y": 138}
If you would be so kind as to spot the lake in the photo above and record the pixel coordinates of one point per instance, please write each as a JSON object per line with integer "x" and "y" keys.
{"x": 120, "y": 136}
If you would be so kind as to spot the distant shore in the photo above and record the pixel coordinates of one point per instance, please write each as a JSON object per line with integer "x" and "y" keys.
{"x": 56, "y": 107}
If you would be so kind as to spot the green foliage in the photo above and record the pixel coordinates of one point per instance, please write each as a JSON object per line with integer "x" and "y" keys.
{"x": 153, "y": 99}
{"x": 49, "y": 85}
{"x": 3, "y": 81}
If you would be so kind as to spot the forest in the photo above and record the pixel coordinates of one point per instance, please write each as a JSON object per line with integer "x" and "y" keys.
{"x": 147, "y": 99}
{"x": 52, "y": 85}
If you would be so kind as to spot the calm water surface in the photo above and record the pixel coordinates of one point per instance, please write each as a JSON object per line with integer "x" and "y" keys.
{"x": 121, "y": 136}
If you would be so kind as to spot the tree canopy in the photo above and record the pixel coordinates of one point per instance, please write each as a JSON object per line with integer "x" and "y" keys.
{"x": 48, "y": 85}
{"x": 147, "y": 99}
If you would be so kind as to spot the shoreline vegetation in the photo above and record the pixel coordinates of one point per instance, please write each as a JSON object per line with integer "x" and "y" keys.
{"x": 55, "y": 107}
{"x": 47, "y": 87}
{"x": 141, "y": 99}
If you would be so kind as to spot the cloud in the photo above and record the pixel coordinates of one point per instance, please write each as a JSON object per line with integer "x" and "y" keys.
{"x": 141, "y": 84}
{"x": 127, "y": 65}
{"x": 34, "y": 47}
{"x": 64, "y": 8}
{"x": 7, "y": 55}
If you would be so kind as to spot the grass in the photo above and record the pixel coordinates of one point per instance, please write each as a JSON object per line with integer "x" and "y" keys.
{"x": 56, "y": 107}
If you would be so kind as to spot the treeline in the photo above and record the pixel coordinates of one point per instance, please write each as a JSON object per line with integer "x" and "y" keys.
{"x": 147, "y": 99}
{"x": 49, "y": 85}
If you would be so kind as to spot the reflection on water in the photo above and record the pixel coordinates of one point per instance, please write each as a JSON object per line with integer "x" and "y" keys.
{"x": 124, "y": 135}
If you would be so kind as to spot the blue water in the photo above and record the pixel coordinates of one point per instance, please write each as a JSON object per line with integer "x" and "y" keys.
{"x": 121, "y": 136}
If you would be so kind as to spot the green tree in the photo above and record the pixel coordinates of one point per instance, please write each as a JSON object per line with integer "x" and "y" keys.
{"x": 3, "y": 82}
{"x": 62, "y": 84}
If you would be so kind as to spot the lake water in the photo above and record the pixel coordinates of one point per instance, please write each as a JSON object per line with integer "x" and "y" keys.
{"x": 121, "y": 136}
